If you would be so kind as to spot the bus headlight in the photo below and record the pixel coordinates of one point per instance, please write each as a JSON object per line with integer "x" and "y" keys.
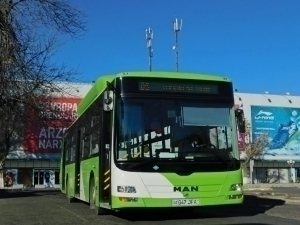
{"x": 236, "y": 187}
{"x": 126, "y": 189}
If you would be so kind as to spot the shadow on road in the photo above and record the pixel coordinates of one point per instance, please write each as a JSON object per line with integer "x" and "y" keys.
{"x": 21, "y": 194}
{"x": 252, "y": 206}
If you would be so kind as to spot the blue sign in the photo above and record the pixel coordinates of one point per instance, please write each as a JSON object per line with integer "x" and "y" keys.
{"x": 282, "y": 124}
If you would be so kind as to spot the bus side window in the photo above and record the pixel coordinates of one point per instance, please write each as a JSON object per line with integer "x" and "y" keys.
{"x": 86, "y": 145}
{"x": 66, "y": 151}
{"x": 94, "y": 142}
{"x": 73, "y": 149}
{"x": 95, "y": 136}
{"x": 86, "y": 138}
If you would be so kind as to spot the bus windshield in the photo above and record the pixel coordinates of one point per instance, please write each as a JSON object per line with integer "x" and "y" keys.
{"x": 172, "y": 129}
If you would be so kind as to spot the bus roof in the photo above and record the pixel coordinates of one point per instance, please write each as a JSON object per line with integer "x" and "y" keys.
{"x": 100, "y": 83}
{"x": 174, "y": 75}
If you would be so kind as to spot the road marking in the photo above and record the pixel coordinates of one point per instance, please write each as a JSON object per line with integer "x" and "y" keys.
{"x": 38, "y": 219}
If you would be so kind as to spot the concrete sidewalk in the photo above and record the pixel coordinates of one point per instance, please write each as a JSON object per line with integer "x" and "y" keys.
{"x": 287, "y": 192}
{"x": 268, "y": 187}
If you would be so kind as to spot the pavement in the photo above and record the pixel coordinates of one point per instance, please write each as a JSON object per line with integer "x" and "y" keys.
{"x": 20, "y": 188}
{"x": 33, "y": 207}
{"x": 270, "y": 187}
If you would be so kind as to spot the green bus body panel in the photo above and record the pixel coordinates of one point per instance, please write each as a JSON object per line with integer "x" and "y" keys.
{"x": 88, "y": 168}
{"x": 214, "y": 189}
{"x": 93, "y": 93}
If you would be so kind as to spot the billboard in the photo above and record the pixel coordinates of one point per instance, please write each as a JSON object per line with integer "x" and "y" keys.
{"x": 43, "y": 139}
{"x": 241, "y": 141}
{"x": 282, "y": 124}
{"x": 241, "y": 136}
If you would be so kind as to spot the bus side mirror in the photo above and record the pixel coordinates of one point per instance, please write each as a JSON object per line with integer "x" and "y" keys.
{"x": 108, "y": 100}
{"x": 240, "y": 119}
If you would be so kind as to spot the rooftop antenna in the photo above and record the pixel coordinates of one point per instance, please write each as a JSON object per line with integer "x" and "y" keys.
{"x": 149, "y": 38}
{"x": 177, "y": 25}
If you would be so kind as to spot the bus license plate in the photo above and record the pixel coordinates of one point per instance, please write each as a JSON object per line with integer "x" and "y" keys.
{"x": 185, "y": 202}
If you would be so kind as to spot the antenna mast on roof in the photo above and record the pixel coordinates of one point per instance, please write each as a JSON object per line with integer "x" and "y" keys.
{"x": 177, "y": 25}
{"x": 149, "y": 38}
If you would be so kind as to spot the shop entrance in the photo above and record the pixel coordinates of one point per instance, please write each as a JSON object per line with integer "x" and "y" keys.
{"x": 47, "y": 178}
{"x": 38, "y": 177}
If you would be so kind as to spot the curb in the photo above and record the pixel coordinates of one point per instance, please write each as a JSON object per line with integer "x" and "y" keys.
{"x": 270, "y": 194}
{"x": 258, "y": 189}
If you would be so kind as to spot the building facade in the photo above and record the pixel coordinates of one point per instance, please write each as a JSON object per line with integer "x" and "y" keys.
{"x": 36, "y": 161}
{"x": 277, "y": 116}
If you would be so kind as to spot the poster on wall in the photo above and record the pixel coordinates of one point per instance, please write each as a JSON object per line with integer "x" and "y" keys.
{"x": 241, "y": 141}
{"x": 241, "y": 136}
{"x": 10, "y": 177}
{"x": 282, "y": 124}
{"x": 43, "y": 140}
{"x": 49, "y": 178}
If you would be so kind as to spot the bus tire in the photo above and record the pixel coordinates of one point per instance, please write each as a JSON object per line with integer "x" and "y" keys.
{"x": 70, "y": 198}
{"x": 98, "y": 210}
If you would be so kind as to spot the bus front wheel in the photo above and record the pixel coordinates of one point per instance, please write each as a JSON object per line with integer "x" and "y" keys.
{"x": 93, "y": 194}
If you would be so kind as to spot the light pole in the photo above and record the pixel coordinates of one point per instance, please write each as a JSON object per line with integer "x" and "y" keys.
{"x": 291, "y": 163}
{"x": 149, "y": 38}
{"x": 177, "y": 25}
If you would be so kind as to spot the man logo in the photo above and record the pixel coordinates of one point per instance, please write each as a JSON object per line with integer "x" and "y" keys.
{"x": 185, "y": 194}
{"x": 186, "y": 189}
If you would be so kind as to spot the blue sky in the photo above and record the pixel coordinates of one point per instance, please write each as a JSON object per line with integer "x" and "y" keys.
{"x": 256, "y": 43}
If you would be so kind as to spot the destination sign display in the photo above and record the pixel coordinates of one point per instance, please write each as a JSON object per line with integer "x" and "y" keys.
{"x": 179, "y": 87}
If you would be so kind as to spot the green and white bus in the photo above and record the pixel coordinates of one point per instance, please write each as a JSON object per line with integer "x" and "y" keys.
{"x": 154, "y": 140}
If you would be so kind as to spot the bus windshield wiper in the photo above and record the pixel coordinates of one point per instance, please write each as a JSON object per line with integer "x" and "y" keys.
{"x": 145, "y": 162}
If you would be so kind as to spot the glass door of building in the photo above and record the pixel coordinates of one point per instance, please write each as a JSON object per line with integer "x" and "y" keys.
{"x": 38, "y": 177}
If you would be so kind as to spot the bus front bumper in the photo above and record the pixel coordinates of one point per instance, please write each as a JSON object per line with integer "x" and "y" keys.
{"x": 136, "y": 202}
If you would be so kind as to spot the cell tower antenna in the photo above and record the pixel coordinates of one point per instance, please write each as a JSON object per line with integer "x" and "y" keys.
{"x": 177, "y": 25}
{"x": 149, "y": 39}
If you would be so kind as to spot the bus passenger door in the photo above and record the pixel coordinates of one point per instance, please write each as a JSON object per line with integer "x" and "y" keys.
{"x": 105, "y": 181}
{"x": 77, "y": 162}
{"x": 62, "y": 167}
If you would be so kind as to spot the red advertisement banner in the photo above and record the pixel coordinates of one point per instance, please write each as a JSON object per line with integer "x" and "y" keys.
{"x": 46, "y": 137}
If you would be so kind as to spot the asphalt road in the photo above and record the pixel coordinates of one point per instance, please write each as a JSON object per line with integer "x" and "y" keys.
{"x": 51, "y": 207}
